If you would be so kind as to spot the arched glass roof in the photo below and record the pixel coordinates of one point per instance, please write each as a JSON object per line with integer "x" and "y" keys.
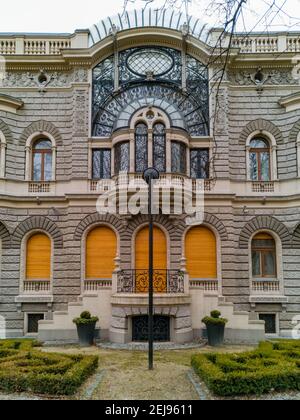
{"x": 148, "y": 18}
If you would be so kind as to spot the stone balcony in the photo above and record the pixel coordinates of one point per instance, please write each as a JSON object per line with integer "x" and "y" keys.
{"x": 267, "y": 291}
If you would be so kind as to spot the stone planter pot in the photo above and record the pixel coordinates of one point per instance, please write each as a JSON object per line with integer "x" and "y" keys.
{"x": 215, "y": 335}
{"x": 86, "y": 334}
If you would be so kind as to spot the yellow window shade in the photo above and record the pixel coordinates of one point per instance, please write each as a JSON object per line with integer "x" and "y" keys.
{"x": 38, "y": 257}
{"x": 101, "y": 250}
{"x": 201, "y": 253}
{"x": 142, "y": 249}
{"x": 263, "y": 236}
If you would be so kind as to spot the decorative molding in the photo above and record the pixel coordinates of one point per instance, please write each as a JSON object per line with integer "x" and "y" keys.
{"x": 37, "y": 223}
{"x": 41, "y": 126}
{"x": 296, "y": 237}
{"x": 4, "y": 128}
{"x": 246, "y": 77}
{"x": 264, "y": 222}
{"x": 261, "y": 125}
{"x": 81, "y": 113}
{"x": 10, "y": 104}
{"x": 290, "y": 102}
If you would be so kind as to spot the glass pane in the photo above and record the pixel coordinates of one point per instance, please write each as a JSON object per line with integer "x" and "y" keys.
{"x": 263, "y": 243}
{"x": 253, "y": 167}
{"x": 159, "y": 147}
{"x": 178, "y": 157}
{"x": 43, "y": 144}
{"x": 269, "y": 264}
{"x": 200, "y": 163}
{"x": 48, "y": 167}
{"x": 256, "y": 264}
{"x": 122, "y": 157}
{"x": 265, "y": 166}
{"x": 37, "y": 167}
{"x": 101, "y": 164}
{"x": 141, "y": 148}
{"x": 259, "y": 144}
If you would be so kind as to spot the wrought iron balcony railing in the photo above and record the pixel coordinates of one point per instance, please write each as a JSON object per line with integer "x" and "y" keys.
{"x": 164, "y": 281}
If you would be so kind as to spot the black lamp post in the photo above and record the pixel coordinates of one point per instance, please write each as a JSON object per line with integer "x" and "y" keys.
{"x": 149, "y": 176}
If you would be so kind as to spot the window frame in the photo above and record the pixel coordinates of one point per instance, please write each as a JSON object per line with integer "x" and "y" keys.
{"x": 146, "y": 135}
{"x": 262, "y": 255}
{"x": 119, "y": 145}
{"x": 154, "y": 136}
{"x": 208, "y": 169}
{"x": 183, "y": 148}
{"x": 258, "y": 151}
{"x": 43, "y": 153}
{"x": 99, "y": 149}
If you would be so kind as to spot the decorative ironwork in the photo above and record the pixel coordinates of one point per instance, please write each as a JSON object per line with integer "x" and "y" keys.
{"x": 178, "y": 157}
{"x": 161, "y": 328}
{"x": 159, "y": 147}
{"x": 200, "y": 163}
{"x": 148, "y": 74}
{"x": 164, "y": 281}
{"x": 141, "y": 147}
{"x": 122, "y": 157}
{"x": 101, "y": 164}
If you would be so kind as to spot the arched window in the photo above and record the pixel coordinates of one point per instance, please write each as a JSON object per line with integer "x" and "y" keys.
{"x": 42, "y": 160}
{"x": 142, "y": 260}
{"x": 201, "y": 253}
{"x": 263, "y": 256}
{"x": 178, "y": 152}
{"x": 38, "y": 257}
{"x": 141, "y": 147}
{"x": 159, "y": 147}
{"x": 260, "y": 167}
{"x": 122, "y": 157}
{"x": 2, "y": 154}
{"x": 101, "y": 251}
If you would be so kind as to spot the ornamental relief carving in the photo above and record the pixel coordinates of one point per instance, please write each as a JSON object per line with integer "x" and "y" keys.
{"x": 261, "y": 77}
{"x": 43, "y": 79}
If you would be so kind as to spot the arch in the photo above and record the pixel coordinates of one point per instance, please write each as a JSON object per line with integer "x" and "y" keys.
{"x": 101, "y": 251}
{"x": 142, "y": 248}
{"x": 264, "y": 223}
{"x": 294, "y": 133}
{"x": 257, "y": 127}
{"x": 201, "y": 253}
{"x": 296, "y": 237}
{"x": 212, "y": 220}
{"x": 5, "y": 236}
{"x": 38, "y": 257}
{"x": 6, "y": 132}
{"x": 38, "y": 223}
{"x": 148, "y": 17}
{"x": 41, "y": 128}
{"x": 97, "y": 218}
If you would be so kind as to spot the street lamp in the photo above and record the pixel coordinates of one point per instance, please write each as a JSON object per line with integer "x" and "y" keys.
{"x": 149, "y": 176}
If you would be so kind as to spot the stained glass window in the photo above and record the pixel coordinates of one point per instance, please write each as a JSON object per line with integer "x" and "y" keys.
{"x": 200, "y": 163}
{"x": 159, "y": 147}
{"x": 263, "y": 256}
{"x": 178, "y": 157}
{"x": 141, "y": 147}
{"x": 259, "y": 160}
{"x": 122, "y": 157}
{"x": 101, "y": 163}
{"x": 42, "y": 161}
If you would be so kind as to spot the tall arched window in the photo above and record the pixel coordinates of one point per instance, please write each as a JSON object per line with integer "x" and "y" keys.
{"x": 260, "y": 167}
{"x": 101, "y": 251}
{"x": 201, "y": 253}
{"x": 264, "y": 256}
{"x": 42, "y": 160}
{"x": 122, "y": 157}
{"x": 38, "y": 257}
{"x": 141, "y": 147}
{"x": 2, "y": 154}
{"x": 159, "y": 147}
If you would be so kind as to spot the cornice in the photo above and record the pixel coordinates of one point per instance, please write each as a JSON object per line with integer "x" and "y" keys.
{"x": 9, "y": 103}
{"x": 291, "y": 102}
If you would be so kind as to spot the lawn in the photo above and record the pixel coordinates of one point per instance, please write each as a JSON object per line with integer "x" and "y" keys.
{"x": 23, "y": 368}
{"x": 274, "y": 366}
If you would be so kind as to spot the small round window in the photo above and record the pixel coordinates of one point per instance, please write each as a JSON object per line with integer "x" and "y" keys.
{"x": 150, "y": 60}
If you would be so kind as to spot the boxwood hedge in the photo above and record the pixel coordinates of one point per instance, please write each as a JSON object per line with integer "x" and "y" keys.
{"x": 274, "y": 366}
{"x": 24, "y": 368}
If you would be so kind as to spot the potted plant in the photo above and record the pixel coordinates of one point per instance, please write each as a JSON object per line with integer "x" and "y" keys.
{"x": 215, "y": 326}
{"x": 86, "y": 325}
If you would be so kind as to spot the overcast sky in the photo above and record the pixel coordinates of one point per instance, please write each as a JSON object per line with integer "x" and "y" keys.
{"x": 68, "y": 15}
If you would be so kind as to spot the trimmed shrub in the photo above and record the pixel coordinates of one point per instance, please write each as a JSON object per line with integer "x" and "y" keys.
{"x": 273, "y": 366}
{"x": 23, "y": 368}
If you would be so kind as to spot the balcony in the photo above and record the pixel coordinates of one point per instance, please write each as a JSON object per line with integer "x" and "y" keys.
{"x": 35, "y": 291}
{"x": 137, "y": 282}
{"x": 36, "y": 287}
{"x": 267, "y": 291}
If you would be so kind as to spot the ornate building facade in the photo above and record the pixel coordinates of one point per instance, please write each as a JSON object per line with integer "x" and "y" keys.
{"x": 78, "y": 109}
